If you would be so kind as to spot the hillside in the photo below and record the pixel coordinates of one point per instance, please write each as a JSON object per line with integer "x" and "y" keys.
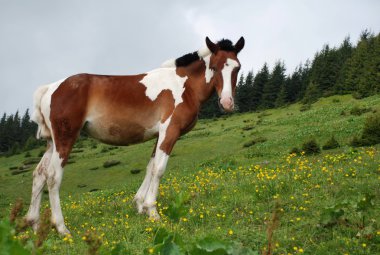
{"x": 234, "y": 171}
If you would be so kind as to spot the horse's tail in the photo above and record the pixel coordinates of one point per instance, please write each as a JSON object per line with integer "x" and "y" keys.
{"x": 37, "y": 116}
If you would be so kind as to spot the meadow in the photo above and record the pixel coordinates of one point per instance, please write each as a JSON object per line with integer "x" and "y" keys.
{"x": 231, "y": 187}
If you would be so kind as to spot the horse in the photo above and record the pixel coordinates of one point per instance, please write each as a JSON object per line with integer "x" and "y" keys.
{"x": 128, "y": 109}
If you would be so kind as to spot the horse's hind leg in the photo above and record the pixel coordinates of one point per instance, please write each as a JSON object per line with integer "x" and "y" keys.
{"x": 39, "y": 178}
{"x": 54, "y": 178}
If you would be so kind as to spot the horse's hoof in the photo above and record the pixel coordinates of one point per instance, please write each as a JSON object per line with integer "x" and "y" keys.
{"x": 62, "y": 230}
{"x": 139, "y": 205}
{"x": 153, "y": 214}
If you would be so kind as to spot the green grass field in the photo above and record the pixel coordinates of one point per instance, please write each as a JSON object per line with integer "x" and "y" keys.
{"x": 231, "y": 179}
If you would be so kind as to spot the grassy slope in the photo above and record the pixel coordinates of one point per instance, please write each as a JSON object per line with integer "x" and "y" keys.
{"x": 245, "y": 197}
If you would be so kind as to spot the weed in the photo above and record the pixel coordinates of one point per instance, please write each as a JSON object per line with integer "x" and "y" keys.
{"x": 370, "y": 134}
{"x": 332, "y": 143}
{"x": 305, "y": 107}
{"x": 295, "y": 150}
{"x": 357, "y": 110}
{"x": 110, "y": 163}
{"x": 43, "y": 228}
{"x": 311, "y": 147}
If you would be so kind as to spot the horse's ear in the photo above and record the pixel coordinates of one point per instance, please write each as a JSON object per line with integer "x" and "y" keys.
{"x": 211, "y": 46}
{"x": 239, "y": 45}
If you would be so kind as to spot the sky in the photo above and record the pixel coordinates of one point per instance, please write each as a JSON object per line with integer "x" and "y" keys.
{"x": 42, "y": 41}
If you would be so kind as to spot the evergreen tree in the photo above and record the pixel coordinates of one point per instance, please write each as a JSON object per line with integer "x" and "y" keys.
{"x": 344, "y": 54}
{"x": 244, "y": 92}
{"x": 361, "y": 72}
{"x": 325, "y": 70}
{"x": 259, "y": 82}
{"x": 304, "y": 72}
{"x": 273, "y": 86}
{"x": 312, "y": 94}
{"x": 210, "y": 109}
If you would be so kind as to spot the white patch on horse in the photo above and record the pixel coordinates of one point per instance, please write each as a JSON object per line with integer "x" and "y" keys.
{"x": 54, "y": 178}
{"x": 159, "y": 167}
{"x": 141, "y": 193}
{"x": 227, "y": 73}
{"x": 164, "y": 79}
{"x": 203, "y": 52}
{"x": 209, "y": 73}
{"x": 45, "y": 102}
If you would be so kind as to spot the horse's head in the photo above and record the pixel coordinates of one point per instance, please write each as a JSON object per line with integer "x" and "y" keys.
{"x": 225, "y": 66}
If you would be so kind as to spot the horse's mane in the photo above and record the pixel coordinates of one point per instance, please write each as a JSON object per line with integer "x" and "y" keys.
{"x": 187, "y": 59}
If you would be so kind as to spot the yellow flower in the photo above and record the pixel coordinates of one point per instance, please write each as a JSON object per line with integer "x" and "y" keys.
{"x": 364, "y": 245}
{"x": 151, "y": 250}
{"x": 230, "y": 232}
{"x": 300, "y": 250}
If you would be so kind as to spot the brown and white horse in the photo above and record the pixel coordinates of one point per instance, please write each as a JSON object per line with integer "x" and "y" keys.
{"x": 122, "y": 110}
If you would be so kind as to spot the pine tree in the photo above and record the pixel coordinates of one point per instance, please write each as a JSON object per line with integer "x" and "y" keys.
{"x": 259, "y": 82}
{"x": 244, "y": 92}
{"x": 273, "y": 86}
{"x": 344, "y": 54}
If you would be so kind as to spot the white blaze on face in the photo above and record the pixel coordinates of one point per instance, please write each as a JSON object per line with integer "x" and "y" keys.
{"x": 226, "y": 98}
{"x": 164, "y": 79}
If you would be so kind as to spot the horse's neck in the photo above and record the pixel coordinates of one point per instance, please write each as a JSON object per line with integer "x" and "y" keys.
{"x": 196, "y": 72}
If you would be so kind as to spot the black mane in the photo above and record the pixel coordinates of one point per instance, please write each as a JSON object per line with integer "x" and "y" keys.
{"x": 185, "y": 60}
{"x": 225, "y": 45}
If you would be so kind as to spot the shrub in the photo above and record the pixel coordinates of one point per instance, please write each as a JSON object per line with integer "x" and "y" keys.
{"x": 370, "y": 134}
{"x": 357, "y": 111}
{"x": 135, "y": 171}
{"x": 332, "y": 143}
{"x": 335, "y": 100}
{"x": 246, "y": 128}
{"x": 248, "y": 144}
{"x": 305, "y": 107}
{"x": 311, "y": 147}
{"x": 31, "y": 161}
{"x": 254, "y": 141}
{"x": 295, "y": 150}
{"x": 110, "y": 163}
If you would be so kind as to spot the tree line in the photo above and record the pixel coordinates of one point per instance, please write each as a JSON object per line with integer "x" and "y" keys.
{"x": 344, "y": 69}
{"x": 17, "y": 133}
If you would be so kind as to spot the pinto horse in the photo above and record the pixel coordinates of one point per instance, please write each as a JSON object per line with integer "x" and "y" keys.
{"x": 122, "y": 110}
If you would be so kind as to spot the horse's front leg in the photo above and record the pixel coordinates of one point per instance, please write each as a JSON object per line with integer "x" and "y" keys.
{"x": 167, "y": 137}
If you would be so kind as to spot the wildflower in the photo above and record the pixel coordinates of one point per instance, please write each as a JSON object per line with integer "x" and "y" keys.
{"x": 230, "y": 232}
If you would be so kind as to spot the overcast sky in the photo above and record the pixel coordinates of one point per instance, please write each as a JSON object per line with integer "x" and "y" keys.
{"x": 42, "y": 41}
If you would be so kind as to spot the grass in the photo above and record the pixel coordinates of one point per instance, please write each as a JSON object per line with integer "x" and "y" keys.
{"x": 227, "y": 191}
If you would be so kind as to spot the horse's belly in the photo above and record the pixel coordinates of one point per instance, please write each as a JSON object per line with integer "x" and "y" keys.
{"x": 121, "y": 132}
